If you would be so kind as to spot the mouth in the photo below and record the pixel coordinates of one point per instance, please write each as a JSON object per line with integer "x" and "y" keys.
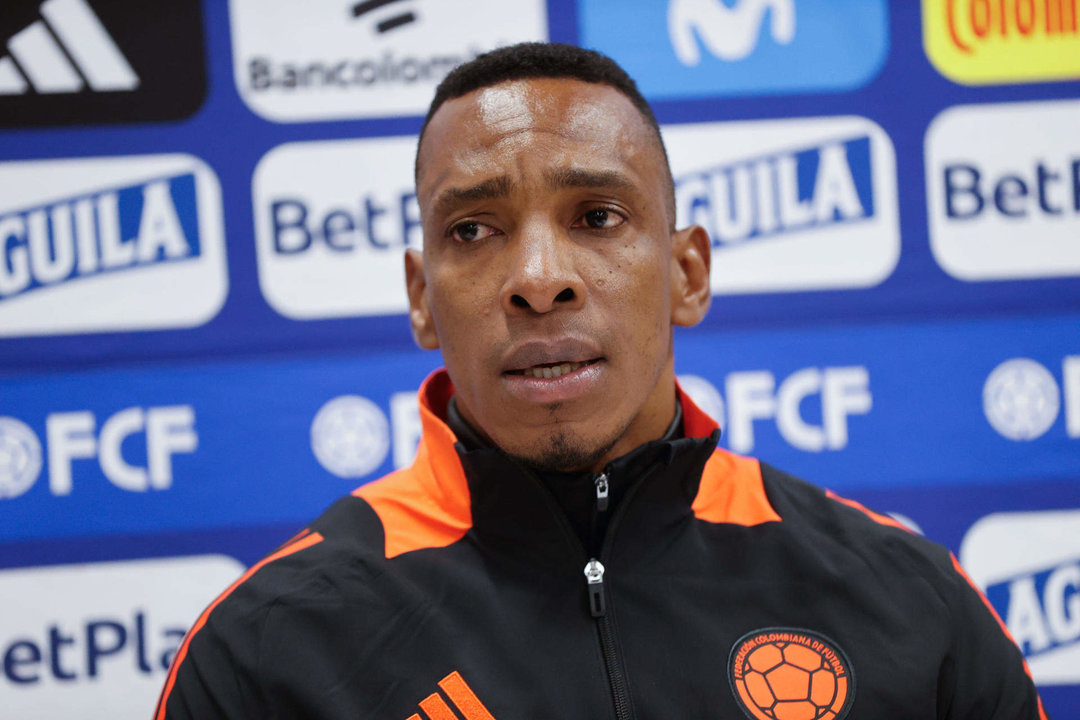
{"x": 550, "y": 371}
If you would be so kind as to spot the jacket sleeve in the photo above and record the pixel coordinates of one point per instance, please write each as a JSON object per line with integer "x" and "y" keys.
{"x": 984, "y": 677}
{"x": 214, "y": 674}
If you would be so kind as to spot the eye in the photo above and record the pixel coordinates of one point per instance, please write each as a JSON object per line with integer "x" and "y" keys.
{"x": 471, "y": 231}
{"x": 601, "y": 219}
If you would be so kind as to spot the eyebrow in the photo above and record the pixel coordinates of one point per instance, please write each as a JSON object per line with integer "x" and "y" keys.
{"x": 498, "y": 187}
{"x": 491, "y": 188}
{"x": 581, "y": 178}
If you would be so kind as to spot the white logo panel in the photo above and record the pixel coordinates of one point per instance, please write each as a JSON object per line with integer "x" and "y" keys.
{"x": 110, "y": 244}
{"x": 1031, "y": 562}
{"x": 335, "y": 59}
{"x": 332, "y": 221}
{"x": 790, "y": 205}
{"x": 1004, "y": 190}
{"x": 95, "y": 641}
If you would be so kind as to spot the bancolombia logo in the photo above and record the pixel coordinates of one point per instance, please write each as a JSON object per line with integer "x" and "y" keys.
{"x": 295, "y": 62}
{"x": 94, "y": 641}
{"x": 107, "y": 244}
{"x": 790, "y": 205}
{"x": 1028, "y": 564}
{"x": 982, "y": 42}
{"x": 1004, "y": 190}
{"x": 332, "y": 220}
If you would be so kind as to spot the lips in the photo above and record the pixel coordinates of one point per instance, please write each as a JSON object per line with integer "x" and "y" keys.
{"x": 548, "y": 372}
{"x": 550, "y": 359}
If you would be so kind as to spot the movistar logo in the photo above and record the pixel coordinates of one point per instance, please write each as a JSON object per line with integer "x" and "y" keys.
{"x": 729, "y": 33}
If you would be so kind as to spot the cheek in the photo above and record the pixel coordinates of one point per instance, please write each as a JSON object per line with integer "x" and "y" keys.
{"x": 462, "y": 301}
{"x": 635, "y": 289}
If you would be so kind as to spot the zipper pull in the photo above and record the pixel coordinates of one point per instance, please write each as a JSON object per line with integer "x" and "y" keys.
{"x": 594, "y": 577}
{"x": 601, "y": 494}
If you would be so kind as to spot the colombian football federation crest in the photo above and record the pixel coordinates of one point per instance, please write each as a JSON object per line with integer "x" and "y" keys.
{"x": 779, "y": 673}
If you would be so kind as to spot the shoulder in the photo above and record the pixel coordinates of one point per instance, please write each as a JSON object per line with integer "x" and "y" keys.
{"x": 347, "y": 551}
{"x": 841, "y": 527}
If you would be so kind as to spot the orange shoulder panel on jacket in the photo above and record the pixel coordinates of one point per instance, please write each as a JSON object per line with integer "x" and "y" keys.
{"x": 411, "y": 518}
{"x": 426, "y": 504}
{"x": 732, "y": 491}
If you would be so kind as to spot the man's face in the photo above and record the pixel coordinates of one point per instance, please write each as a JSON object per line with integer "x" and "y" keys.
{"x": 550, "y": 276}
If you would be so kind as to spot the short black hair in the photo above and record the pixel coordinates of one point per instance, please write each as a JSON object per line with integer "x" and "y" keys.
{"x": 545, "y": 60}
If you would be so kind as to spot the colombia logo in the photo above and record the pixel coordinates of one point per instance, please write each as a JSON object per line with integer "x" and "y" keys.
{"x": 790, "y": 674}
{"x": 981, "y": 42}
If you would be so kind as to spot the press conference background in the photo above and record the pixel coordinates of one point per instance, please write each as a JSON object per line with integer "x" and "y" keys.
{"x": 899, "y": 322}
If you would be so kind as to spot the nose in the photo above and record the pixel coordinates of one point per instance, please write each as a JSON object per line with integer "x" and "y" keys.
{"x": 543, "y": 274}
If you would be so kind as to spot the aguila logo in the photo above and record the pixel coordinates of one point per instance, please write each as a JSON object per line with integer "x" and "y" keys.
{"x": 788, "y": 673}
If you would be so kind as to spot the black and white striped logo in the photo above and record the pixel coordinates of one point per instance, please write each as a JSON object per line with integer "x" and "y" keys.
{"x": 66, "y": 51}
{"x": 91, "y": 61}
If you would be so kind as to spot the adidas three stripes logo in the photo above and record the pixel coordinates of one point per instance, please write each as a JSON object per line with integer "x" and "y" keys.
{"x": 461, "y": 695}
{"x": 66, "y": 51}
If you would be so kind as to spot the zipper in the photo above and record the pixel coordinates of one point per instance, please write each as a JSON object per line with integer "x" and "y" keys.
{"x": 594, "y": 582}
{"x": 598, "y": 608}
{"x": 601, "y": 482}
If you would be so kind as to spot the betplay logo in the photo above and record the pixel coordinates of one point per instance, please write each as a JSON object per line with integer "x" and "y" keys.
{"x": 332, "y": 219}
{"x": 95, "y": 641}
{"x": 1028, "y": 564}
{"x": 1004, "y": 190}
{"x": 699, "y": 48}
{"x": 980, "y": 42}
{"x": 107, "y": 244}
{"x": 89, "y": 61}
{"x": 790, "y": 205}
{"x": 333, "y": 59}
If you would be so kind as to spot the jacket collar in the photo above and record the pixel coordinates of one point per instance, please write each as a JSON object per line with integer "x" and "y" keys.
{"x": 502, "y": 501}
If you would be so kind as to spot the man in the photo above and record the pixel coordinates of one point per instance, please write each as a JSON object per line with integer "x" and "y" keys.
{"x": 569, "y": 543}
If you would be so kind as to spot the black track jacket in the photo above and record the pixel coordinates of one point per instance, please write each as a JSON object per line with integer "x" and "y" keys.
{"x": 456, "y": 589}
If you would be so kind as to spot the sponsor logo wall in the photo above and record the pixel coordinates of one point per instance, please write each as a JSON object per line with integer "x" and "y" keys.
{"x": 203, "y": 338}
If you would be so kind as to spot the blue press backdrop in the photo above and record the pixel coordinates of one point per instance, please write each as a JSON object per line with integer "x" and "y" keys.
{"x": 209, "y": 446}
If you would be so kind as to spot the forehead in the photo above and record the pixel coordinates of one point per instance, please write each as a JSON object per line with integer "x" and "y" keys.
{"x": 508, "y": 127}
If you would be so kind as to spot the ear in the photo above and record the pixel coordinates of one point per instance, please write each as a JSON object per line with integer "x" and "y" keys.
{"x": 690, "y": 291}
{"x": 423, "y": 324}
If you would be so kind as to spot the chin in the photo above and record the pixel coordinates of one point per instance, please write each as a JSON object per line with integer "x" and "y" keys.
{"x": 564, "y": 451}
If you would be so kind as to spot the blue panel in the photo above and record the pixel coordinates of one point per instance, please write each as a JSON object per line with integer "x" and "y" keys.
{"x": 702, "y": 48}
